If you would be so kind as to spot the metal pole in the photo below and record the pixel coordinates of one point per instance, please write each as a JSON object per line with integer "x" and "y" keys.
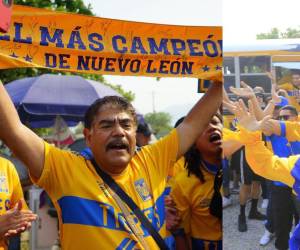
{"x": 237, "y": 72}
{"x": 34, "y": 199}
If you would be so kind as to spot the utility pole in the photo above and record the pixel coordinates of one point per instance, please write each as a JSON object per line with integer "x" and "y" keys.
{"x": 153, "y": 101}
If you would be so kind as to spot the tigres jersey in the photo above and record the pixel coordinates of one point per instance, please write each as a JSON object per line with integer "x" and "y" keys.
{"x": 264, "y": 163}
{"x": 284, "y": 169}
{"x": 192, "y": 200}
{"x": 89, "y": 217}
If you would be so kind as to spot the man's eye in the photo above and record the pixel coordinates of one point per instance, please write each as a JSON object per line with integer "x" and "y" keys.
{"x": 105, "y": 126}
{"x": 127, "y": 125}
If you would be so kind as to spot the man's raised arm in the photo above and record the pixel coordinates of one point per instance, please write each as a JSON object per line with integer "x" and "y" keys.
{"x": 199, "y": 117}
{"x": 288, "y": 129}
{"x": 26, "y": 145}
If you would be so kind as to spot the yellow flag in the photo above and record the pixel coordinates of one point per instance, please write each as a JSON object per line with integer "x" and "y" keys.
{"x": 85, "y": 44}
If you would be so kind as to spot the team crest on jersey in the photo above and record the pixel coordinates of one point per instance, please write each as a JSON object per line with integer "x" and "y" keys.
{"x": 142, "y": 189}
{"x": 3, "y": 184}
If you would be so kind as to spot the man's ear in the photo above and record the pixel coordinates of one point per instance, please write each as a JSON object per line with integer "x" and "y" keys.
{"x": 87, "y": 135}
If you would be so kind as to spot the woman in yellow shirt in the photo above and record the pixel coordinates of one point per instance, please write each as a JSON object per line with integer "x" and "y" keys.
{"x": 195, "y": 192}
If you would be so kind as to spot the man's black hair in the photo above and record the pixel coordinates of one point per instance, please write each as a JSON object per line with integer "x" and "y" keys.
{"x": 290, "y": 108}
{"x": 113, "y": 101}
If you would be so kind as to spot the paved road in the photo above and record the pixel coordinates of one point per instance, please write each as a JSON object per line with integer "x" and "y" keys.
{"x": 233, "y": 239}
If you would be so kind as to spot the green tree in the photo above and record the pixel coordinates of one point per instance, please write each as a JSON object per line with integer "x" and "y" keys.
{"x": 160, "y": 122}
{"x": 275, "y": 33}
{"x": 74, "y": 6}
{"x": 291, "y": 33}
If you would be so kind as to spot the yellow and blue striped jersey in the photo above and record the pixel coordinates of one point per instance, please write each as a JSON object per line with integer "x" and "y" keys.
{"x": 264, "y": 163}
{"x": 89, "y": 217}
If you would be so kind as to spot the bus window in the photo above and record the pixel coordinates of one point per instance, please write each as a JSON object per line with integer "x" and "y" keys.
{"x": 254, "y": 64}
{"x": 250, "y": 61}
{"x": 283, "y": 71}
{"x": 228, "y": 63}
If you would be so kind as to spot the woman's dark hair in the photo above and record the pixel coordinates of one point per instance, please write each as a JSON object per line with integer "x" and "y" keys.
{"x": 193, "y": 163}
{"x": 193, "y": 160}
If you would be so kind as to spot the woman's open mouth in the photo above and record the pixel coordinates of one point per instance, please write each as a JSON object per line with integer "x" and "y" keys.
{"x": 215, "y": 138}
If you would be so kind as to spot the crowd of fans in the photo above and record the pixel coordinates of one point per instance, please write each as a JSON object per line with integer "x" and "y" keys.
{"x": 175, "y": 181}
{"x": 276, "y": 117}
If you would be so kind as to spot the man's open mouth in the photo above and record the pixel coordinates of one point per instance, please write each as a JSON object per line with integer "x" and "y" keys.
{"x": 117, "y": 145}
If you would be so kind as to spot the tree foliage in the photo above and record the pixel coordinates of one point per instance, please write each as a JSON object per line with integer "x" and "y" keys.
{"x": 160, "y": 122}
{"x": 74, "y": 6}
{"x": 275, "y": 33}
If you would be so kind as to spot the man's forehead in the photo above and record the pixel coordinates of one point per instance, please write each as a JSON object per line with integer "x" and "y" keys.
{"x": 112, "y": 114}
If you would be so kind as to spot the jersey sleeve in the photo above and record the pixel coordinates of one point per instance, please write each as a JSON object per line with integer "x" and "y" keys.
{"x": 162, "y": 154}
{"x": 58, "y": 172}
{"x": 294, "y": 163}
{"x": 182, "y": 203}
{"x": 229, "y": 135}
{"x": 263, "y": 162}
{"x": 292, "y": 130}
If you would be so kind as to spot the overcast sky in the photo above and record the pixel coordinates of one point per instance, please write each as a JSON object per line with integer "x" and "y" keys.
{"x": 242, "y": 20}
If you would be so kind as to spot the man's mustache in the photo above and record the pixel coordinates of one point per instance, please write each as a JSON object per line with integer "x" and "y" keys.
{"x": 117, "y": 144}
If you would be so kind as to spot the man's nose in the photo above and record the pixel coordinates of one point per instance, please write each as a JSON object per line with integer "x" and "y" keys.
{"x": 118, "y": 130}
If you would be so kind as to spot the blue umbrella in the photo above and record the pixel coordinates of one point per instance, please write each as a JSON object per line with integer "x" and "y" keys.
{"x": 40, "y": 99}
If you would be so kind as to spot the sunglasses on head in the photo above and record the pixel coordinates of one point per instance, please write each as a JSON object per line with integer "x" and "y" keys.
{"x": 259, "y": 95}
{"x": 284, "y": 117}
